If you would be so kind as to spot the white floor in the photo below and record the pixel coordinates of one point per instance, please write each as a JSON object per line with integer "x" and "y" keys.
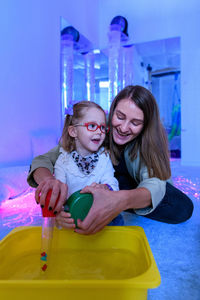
{"x": 176, "y": 248}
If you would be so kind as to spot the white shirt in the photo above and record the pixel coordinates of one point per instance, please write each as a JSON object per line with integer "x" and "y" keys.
{"x": 67, "y": 171}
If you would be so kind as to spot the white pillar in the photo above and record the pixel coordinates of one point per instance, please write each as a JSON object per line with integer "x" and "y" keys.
{"x": 114, "y": 64}
{"x": 127, "y": 65}
{"x": 67, "y": 59}
{"x": 89, "y": 76}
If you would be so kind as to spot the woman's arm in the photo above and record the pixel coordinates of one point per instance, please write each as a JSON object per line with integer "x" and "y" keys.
{"x": 41, "y": 176}
{"x": 139, "y": 173}
{"x": 59, "y": 189}
{"x": 46, "y": 161}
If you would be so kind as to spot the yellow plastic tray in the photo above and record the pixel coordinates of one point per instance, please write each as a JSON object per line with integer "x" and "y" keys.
{"x": 116, "y": 263}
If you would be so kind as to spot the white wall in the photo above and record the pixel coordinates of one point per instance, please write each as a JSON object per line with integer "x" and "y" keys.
{"x": 30, "y": 61}
{"x": 154, "y": 20}
{"x": 190, "y": 90}
{"x": 30, "y": 68}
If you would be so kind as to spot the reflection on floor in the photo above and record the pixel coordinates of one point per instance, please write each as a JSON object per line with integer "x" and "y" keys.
{"x": 176, "y": 248}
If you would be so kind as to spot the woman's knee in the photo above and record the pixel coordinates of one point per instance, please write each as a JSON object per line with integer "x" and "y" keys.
{"x": 185, "y": 211}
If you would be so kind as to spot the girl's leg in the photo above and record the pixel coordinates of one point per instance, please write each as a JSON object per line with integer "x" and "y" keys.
{"x": 176, "y": 207}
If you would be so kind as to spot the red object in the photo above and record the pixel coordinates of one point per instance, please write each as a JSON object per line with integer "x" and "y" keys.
{"x": 44, "y": 267}
{"x": 45, "y": 210}
{"x": 43, "y": 254}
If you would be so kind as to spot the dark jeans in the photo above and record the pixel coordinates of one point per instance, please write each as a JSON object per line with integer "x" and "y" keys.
{"x": 175, "y": 207}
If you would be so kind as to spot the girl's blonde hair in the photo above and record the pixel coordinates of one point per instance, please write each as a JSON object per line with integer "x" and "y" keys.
{"x": 151, "y": 143}
{"x": 79, "y": 109}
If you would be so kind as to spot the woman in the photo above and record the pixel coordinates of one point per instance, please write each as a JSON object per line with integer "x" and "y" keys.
{"x": 139, "y": 152}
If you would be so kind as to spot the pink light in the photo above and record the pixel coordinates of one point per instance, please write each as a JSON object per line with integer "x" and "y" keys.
{"x": 187, "y": 186}
{"x": 22, "y": 210}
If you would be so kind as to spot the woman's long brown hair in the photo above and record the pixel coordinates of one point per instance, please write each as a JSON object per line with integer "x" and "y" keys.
{"x": 151, "y": 143}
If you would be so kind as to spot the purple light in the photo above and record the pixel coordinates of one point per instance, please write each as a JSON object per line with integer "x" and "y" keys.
{"x": 22, "y": 210}
{"x": 187, "y": 186}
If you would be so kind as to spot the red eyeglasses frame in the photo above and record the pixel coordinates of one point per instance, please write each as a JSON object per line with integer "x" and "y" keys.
{"x": 98, "y": 126}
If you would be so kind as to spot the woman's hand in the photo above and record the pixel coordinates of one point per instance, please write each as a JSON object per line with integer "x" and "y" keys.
{"x": 106, "y": 206}
{"x": 58, "y": 188}
{"x": 63, "y": 219}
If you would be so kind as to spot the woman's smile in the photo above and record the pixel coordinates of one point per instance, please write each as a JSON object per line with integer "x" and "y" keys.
{"x": 120, "y": 134}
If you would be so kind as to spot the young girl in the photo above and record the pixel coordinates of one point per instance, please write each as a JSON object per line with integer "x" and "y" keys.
{"x": 82, "y": 160}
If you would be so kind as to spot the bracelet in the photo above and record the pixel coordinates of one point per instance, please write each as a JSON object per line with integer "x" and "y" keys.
{"x": 110, "y": 188}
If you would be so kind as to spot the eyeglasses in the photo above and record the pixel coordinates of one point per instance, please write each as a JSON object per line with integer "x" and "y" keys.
{"x": 92, "y": 126}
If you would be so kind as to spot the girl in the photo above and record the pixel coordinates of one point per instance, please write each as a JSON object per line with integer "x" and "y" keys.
{"x": 82, "y": 160}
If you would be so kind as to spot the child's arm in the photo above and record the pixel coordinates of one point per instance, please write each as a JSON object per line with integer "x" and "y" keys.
{"x": 108, "y": 177}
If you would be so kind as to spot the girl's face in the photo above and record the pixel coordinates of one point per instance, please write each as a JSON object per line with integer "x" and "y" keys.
{"x": 127, "y": 121}
{"x": 88, "y": 141}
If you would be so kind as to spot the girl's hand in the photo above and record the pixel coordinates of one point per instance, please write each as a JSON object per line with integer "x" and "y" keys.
{"x": 63, "y": 219}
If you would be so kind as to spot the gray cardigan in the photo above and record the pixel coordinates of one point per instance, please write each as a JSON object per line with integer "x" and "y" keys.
{"x": 156, "y": 186}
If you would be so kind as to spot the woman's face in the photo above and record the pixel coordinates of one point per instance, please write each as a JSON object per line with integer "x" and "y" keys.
{"x": 127, "y": 121}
